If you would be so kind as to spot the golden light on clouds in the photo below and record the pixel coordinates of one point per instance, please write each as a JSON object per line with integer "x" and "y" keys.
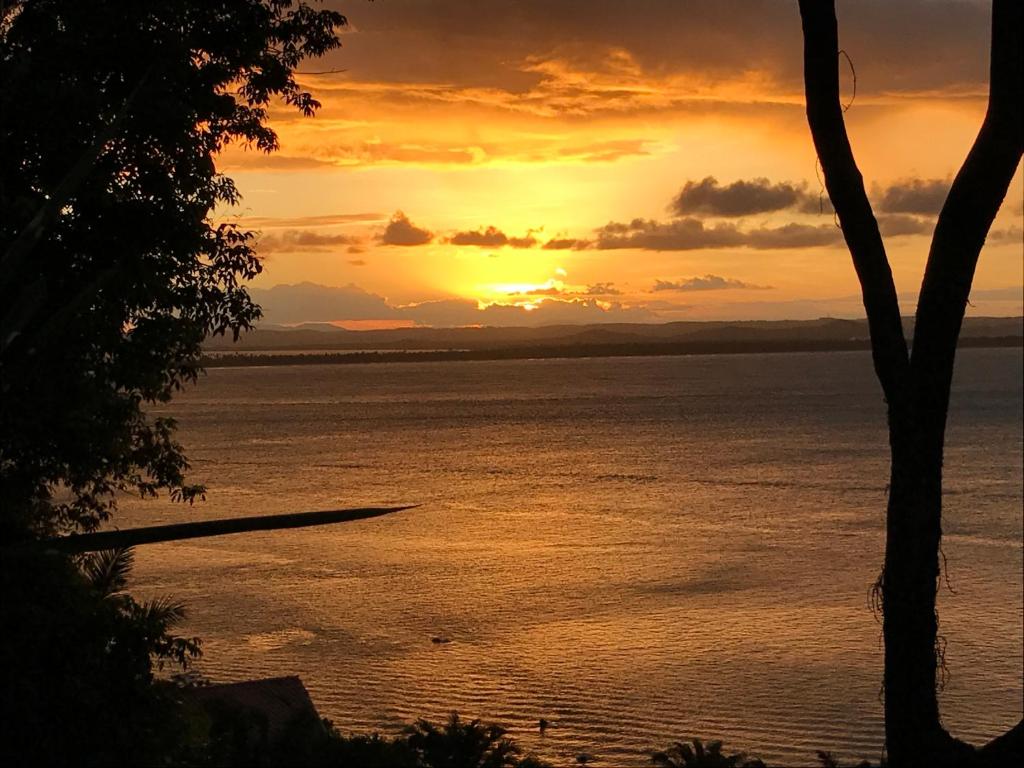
{"x": 536, "y": 156}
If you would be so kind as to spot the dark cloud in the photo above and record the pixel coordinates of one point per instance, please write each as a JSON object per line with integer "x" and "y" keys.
{"x": 548, "y": 290}
{"x": 793, "y": 236}
{"x": 602, "y": 289}
{"x": 357, "y": 262}
{"x": 908, "y": 46}
{"x": 595, "y": 290}
{"x": 816, "y": 202}
{"x": 1010, "y": 235}
{"x": 309, "y": 302}
{"x": 706, "y": 283}
{"x": 304, "y": 241}
{"x": 920, "y": 196}
{"x": 897, "y": 224}
{"x": 565, "y": 244}
{"x": 492, "y": 237}
{"x": 401, "y": 231}
{"x": 676, "y": 235}
{"x": 741, "y": 198}
{"x": 756, "y": 196}
{"x": 688, "y": 234}
{"x": 527, "y": 241}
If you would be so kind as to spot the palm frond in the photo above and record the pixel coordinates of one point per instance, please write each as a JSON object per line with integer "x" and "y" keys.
{"x": 107, "y": 571}
{"x": 163, "y": 612}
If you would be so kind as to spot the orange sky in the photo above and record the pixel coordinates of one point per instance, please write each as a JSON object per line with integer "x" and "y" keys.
{"x": 600, "y": 161}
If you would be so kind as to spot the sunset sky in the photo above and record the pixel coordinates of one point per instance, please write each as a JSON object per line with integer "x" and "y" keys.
{"x": 534, "y": 162}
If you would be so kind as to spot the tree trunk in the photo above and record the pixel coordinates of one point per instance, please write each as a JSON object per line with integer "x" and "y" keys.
{"x": 913, "y": 732}
{"x": 917, "y": 386}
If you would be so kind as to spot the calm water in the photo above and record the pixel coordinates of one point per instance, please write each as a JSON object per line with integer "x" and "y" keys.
{"x": 638, "y": 550}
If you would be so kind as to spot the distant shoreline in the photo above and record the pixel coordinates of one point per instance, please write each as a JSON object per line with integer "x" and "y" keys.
{"x": 654, "y": 349}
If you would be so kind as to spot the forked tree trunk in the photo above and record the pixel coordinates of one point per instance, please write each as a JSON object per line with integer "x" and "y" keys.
{"x": 909, "y": 579}
{"x": 917, "y": 386}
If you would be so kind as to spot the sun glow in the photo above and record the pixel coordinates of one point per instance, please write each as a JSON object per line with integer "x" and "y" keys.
{"x": 549, "y": 286}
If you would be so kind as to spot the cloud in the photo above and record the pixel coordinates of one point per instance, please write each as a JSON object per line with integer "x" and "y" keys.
{"x": 706, "y": 283}
{"x": 304, "y": 241}
{"x": 793, "y": 236}
{"x": 912, "y": 46}
{"x": 602, "y": 289}
{"x": 555, "y": 288}
{"x": 692, "y": 234}
{"x": 1012, "y": 293}
{"x": 605, "y": 151}
{"x": 1010, "y": 235}
{"x": 492, "y": 237}
{"x": 921, "y": 196}
{"x": 357, "y": 262}
{"x": 741, "y": 198}
{"x": 902, "y": 199}
{"x": 897, "y": 224}
{"x": 323, "y": 220}
{"x": 234, "y": 159}
{"x": 401, "y": 231}
{"x": 308, "y": 303}
{"x": 677, "y": 235}
{"x": 550, "y": 311}
{"x": 413, "y": 69}
{"x": 376, "y": 152}
{"x": 565, "y": 244}
{"x": 432, "y": 148}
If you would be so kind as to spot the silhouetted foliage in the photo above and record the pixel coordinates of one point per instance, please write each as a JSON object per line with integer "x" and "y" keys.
{"x": 112, "y": 272}
{"x": 460, "y": 744}
{"x": 233, "y": 735}
{"x": 302, "y": 745}
{"x": 107, "y": 575}
{"x": 79, "y": 656}
{"x": 827, "y": 761}
{"x": 112, "y": 269}
{"x": 698, "y": 755}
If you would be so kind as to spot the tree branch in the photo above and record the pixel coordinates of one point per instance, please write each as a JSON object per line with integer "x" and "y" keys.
{"x": 967, "y": 215}
{"x": 845, "y": 187}
{"x": 21, "y": 247}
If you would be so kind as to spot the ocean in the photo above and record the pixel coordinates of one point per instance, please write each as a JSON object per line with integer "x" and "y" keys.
{"x": 639, "y": 550}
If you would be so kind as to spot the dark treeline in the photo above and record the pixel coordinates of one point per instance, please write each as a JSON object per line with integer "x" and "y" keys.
{"x": 575, "y": 351}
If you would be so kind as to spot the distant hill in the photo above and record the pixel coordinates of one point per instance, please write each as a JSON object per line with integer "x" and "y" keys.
{"x": 704, "y": 335}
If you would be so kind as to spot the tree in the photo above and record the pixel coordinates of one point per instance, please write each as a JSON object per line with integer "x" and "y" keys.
{"x": 916, "y": 384}
{"x": 80, "y": 656}
{"x": 112, "y": 270}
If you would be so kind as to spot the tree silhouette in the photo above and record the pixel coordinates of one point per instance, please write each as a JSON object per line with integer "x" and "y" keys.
{"x": 916, "y": 383}
{"x": 112, "y": 270}
{"x": 81, "y": 656}
{"x": 460, "y": 744}
{"x": 700, "y": 755}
